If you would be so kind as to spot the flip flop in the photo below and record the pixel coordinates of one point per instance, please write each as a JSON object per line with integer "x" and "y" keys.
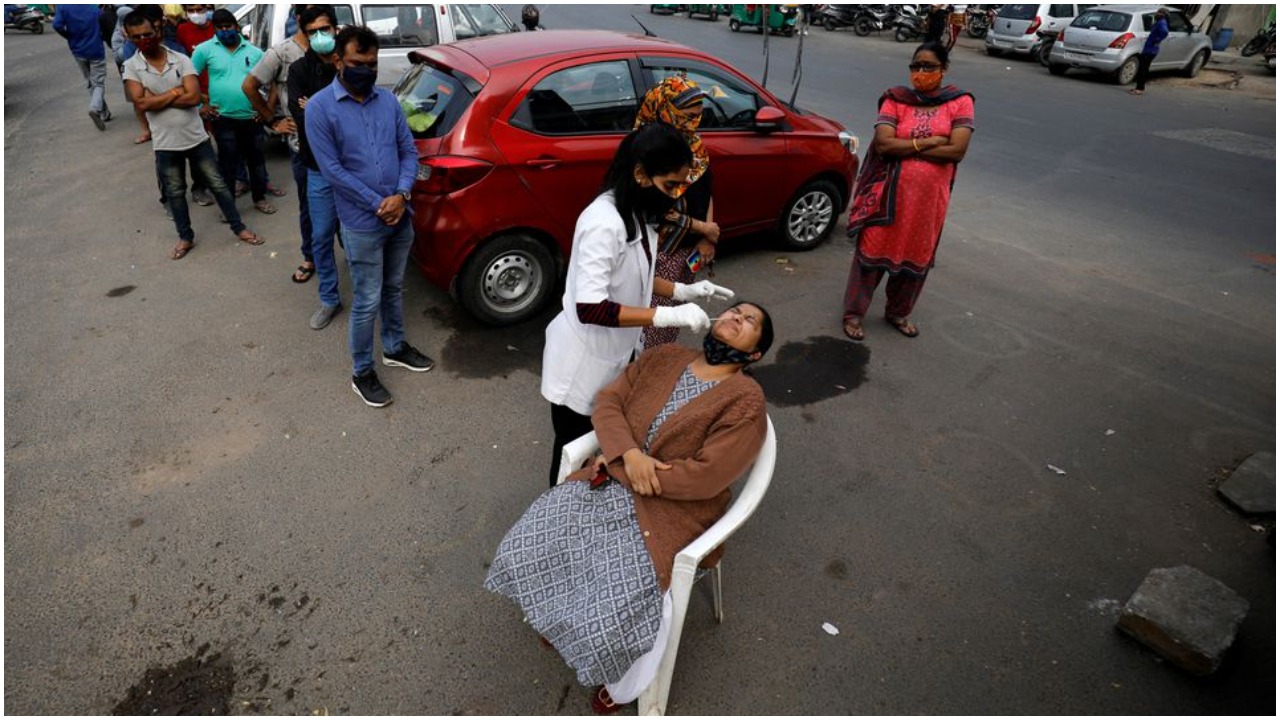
{"x": 181, "y": 249}
{"x": 306, "y": 272}
{"x": 265, "y": 207}
{"x": 253, "y": 238}
{"x": 278, "y": 192}
{"x": 853, "y": 330}
{"x": 903, "y": 326}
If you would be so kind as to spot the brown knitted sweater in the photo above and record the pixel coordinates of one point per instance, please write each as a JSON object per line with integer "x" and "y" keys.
{"x": 709, "y": 443}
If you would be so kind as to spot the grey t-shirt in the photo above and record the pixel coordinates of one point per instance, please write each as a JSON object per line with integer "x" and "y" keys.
{"x": 174, "y": 128}
{"x": 274, "y": 68}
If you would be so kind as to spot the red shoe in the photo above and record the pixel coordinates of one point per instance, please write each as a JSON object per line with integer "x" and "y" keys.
{"x": 602, "y": 704}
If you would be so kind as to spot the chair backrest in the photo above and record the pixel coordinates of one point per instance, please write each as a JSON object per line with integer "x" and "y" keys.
{"x": 748, "y": 499}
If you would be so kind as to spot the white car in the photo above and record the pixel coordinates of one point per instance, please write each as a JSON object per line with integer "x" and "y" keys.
{"x": 1108, "y": 39}
{"x": 1016, "y": 28}
{"x": 400, "y": 28}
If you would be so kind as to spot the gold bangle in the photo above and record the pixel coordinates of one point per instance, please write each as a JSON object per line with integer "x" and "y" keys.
{"x": 914, "y": 145}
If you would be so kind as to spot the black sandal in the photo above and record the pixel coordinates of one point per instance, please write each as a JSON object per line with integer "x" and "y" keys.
{"x": 306, "y": 273}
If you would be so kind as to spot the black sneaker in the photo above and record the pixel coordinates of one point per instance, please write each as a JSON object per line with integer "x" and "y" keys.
{"x": 370, "y": 390}
{"x": 409, "y": 358}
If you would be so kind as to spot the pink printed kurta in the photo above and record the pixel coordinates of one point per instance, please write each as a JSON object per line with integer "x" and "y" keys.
{"x": 923, "y": 192}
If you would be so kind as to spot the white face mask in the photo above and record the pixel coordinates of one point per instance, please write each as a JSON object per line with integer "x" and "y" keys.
{"x": 198, "y": 18}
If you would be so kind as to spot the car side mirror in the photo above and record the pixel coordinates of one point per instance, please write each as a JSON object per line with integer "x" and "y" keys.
{"x": 769, "y": 119}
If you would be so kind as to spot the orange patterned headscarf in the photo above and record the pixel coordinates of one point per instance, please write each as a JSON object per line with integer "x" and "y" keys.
{"x": 667, "y": 102}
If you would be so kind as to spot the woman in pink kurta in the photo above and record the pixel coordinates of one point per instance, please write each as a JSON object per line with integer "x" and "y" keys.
{"x": 922, "y": 132}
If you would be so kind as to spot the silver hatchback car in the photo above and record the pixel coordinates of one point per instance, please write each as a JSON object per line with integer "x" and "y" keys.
{"x": 1109, "y": 38}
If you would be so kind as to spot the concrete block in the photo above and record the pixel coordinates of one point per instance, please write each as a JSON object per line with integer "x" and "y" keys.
{"x": 1186, "y": 616}
{"x": 1252, "y": 486}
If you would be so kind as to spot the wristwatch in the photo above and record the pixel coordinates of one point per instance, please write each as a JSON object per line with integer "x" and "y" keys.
{"x": 406, "y": 195}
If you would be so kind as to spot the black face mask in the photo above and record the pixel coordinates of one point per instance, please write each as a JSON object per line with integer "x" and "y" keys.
{"x": 654, "y": 203}
{"x": 718, "y": 352}
{"x": 360, "y": 79}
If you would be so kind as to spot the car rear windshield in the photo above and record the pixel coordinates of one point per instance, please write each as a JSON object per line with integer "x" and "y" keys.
{"x": 432, "y": 100}
{"x": 1018, "y": 12}
{"x": 1102, "y": 20}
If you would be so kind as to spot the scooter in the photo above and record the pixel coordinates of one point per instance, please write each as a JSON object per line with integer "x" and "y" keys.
{"x": 841, "y": 16}
{"x": 978, "y": 20}
{"x": 21, "y": 17}
{"x": 873, "y": 18}
{"x": 909, "y": 25}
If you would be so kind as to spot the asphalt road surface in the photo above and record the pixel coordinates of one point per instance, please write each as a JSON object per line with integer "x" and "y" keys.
{"x": 189, "y": 475}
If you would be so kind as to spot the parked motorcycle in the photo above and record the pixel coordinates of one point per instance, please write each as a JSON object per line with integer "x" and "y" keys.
{"x": 1044, "y": 45}
{"x": 909, "y": 24}
{"x": 840, "y": 16}
{"x": 21, "y": 17}
{"x": 1265, "y": 37}
{"x": 978, "y": 20}
{"x": 874, "y": 18}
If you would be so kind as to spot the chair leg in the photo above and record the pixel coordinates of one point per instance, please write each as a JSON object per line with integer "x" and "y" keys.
{"x": 717, "y": 595}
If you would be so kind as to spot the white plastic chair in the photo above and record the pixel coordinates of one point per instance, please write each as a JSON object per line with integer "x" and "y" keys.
{"x": 653, "y": 701}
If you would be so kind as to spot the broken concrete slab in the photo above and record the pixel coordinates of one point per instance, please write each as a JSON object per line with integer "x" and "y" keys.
{"x": 1186, "y": 616}
{"x": 1252, "y": 486}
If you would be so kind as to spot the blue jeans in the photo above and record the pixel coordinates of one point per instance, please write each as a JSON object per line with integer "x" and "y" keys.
{"x": 95, "y": 79}
{"x": 324, "y": 227}
{"x": 242, "y": 140}
{"x": 377, "y": 260}
{"x": 304, "y": 217}
{"x": 171, "y": 166}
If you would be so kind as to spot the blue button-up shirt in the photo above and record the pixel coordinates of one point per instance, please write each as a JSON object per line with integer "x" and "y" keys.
{"x": 79, "y": 23}
{"x": 365, "y": 150}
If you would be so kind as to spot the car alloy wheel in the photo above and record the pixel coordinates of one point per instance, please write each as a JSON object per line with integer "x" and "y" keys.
{"x": 810, "y": 216}
{"x": 1128, "y": 71}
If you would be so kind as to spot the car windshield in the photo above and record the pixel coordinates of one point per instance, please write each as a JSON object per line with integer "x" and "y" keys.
{"x": 402, "y": 25}
{"x": 1102, "y": 20}
{"x": 1018, "y": 12}
{"x": 477, "y": 21}
{"x": 432, "y": 101}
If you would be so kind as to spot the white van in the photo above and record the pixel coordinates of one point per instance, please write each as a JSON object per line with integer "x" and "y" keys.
{"x": 400, "y": 28}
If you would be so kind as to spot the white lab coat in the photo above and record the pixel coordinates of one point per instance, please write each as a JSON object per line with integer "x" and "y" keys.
{"x": 579, "y": 360}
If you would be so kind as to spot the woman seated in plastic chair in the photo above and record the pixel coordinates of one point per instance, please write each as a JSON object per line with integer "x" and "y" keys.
{"x": 590, "y": 561}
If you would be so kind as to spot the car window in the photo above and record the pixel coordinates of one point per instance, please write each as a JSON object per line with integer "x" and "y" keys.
{"x": 730, "y": 103}
{"x": 1178, "y": 23}
{"x": 1018, "y": 12}
{"x": 462, "y": 27}
{"x": 1102, "y": 20}
{"x": 432, "y": 101}
{"x": 593, "y": 98}
{"x": 402, "y": 25}
{"x": 486, "y": 20}
{"x": 345, "y": 16}
{"x": 260, "y": 34}
{"x": 1061, "y": 11}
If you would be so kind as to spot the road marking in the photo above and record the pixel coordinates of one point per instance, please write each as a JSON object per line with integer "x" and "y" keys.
{"x": 1225, "y": 140}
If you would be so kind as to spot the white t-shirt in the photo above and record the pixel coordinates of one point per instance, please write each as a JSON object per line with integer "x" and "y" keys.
{"x": 579, "y": 360}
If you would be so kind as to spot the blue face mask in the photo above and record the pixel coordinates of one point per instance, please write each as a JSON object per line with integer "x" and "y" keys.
{"x": 322, "y": 42}
{"x": 230, "y": 38}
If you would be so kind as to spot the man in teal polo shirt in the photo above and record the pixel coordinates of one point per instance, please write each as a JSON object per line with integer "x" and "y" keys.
{"x": 229, "y": 60}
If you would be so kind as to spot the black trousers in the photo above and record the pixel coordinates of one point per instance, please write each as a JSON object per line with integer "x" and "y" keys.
{"x": 568, "y": 426}
{"x": 1144, "y": 68}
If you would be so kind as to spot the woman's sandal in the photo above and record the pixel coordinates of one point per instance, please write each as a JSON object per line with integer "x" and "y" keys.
{"x": 278, "y": 192}
{"x": 602, "y": 704}
{"x": 265, "y": 207}
{"x": 903, "y": 325}
{"x": 853, "y": 330}
{"x": 305, "y": 273}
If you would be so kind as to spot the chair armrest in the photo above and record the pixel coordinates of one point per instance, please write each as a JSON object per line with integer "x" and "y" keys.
{"x": 576, "y": 453}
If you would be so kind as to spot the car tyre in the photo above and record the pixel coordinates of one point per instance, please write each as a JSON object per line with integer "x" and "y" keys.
{"x": 1197, "y": 64}
{"x": 1056, "y": 69}
{"x": 810, "y": 216}
{"x": 507, "y": 280}
{"x": 1127, "y": 72}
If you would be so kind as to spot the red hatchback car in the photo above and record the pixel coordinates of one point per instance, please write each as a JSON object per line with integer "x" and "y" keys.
{"x": 515, "y": 133}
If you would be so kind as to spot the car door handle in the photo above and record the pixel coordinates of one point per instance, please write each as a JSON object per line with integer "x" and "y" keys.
{"x": 543, "y": 163}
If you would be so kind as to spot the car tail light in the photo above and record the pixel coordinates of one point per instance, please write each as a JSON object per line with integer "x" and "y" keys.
{"x": 1062, "y": 36}
{"x": 444, "y": 174}
{"x": 1120, "y": 42}
{"x": 1033, "y": 27}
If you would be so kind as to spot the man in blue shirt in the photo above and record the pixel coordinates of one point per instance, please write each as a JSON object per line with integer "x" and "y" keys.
{"x": 1159, "y": 31}
{"x": 79, "y": 25}
{"x": 363, "y": 147}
